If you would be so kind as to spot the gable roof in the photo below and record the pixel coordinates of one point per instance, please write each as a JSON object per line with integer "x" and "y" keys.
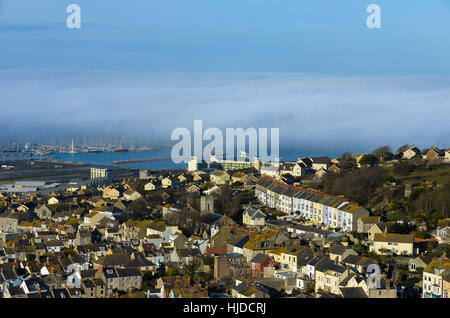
{"x": 254, "y": 213}
{"x": 259, "y": 258}
{"x": 353, "y": 292}
{"x": 320, "y": 160}
{"x": 370, "y": 219}
{"x": 391, "y": 237}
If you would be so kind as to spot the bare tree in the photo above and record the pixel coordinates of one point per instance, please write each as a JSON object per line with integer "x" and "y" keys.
{"x": 425, "y": 202}
{"x": 403, "y": 148}
{"x": 383, "y": 153}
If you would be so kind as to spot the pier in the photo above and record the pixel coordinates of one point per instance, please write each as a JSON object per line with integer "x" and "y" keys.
{"x": 120, "y": 162}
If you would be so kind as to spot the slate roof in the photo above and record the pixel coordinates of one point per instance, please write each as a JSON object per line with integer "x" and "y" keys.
{"x": 398, "y": 238}
{"x": 209, "y": 218}
{"x": 259, "y": 258}
{"x": 128, "y": 272}
{"x": 88, "y": 273}
{"x": 140, "y": 262}
{"x": 254, "y": 213}
{"x": 337, "y": 249}
{"x": 61, "y": 293}
{"x": 353, "y": 292}
{"x": 242, "y": 242}
{"x": 89, "y": 283}
{"x": 16, "y": 290}
{"x": 110, "y": 273}
{"x": 115, "y": 259}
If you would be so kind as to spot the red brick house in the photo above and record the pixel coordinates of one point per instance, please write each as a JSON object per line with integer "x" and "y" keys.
{"x": 258, "y": 263}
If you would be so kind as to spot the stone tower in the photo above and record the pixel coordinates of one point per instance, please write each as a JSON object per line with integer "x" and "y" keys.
{"x": 206, "y": 204}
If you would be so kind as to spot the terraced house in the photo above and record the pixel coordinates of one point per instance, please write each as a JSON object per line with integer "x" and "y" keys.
{"x": 400, "y": 244}
{"x": 312, "y": 205}
{"x": 435, "y": 276}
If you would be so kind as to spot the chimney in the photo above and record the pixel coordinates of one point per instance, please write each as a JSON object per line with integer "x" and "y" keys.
{"x": 388, "y": 283}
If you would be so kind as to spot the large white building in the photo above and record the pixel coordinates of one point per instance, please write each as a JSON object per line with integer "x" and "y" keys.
{"x": 222, "y": 164}
{"x": 97, "y": 173}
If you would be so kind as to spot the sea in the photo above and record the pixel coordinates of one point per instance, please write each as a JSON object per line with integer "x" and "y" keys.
{"x": 107, "y": 157}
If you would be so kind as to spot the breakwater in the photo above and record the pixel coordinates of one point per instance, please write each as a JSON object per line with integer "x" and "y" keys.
{"x": 119, "y": 162}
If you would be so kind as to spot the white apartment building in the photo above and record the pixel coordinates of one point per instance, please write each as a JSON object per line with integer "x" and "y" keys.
{"x": 312, "y": 205}
{"x": 97, "y": 173}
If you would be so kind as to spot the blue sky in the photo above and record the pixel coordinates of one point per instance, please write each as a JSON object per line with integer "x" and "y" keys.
{"x": 311, "y": 68}
{"x": 325, "y": 36}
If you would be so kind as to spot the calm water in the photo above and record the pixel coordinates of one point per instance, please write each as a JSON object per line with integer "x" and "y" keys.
{"x": 106, "y": 158}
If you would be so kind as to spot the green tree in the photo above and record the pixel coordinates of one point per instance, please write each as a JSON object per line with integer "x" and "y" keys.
{"x": 368, "y": 159}
{"x": 172, "y": 271}
{"x": 191, "y": 269}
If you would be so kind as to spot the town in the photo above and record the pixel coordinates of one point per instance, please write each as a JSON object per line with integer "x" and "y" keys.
{"x": 371, "y": 225}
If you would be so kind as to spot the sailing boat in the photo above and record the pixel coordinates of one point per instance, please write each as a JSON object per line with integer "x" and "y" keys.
{"x": 72, "y": 150}
{"x": 121, "y": 148}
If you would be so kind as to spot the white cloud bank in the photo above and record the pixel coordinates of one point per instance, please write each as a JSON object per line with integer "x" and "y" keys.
{"x": 317, "y": 113}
